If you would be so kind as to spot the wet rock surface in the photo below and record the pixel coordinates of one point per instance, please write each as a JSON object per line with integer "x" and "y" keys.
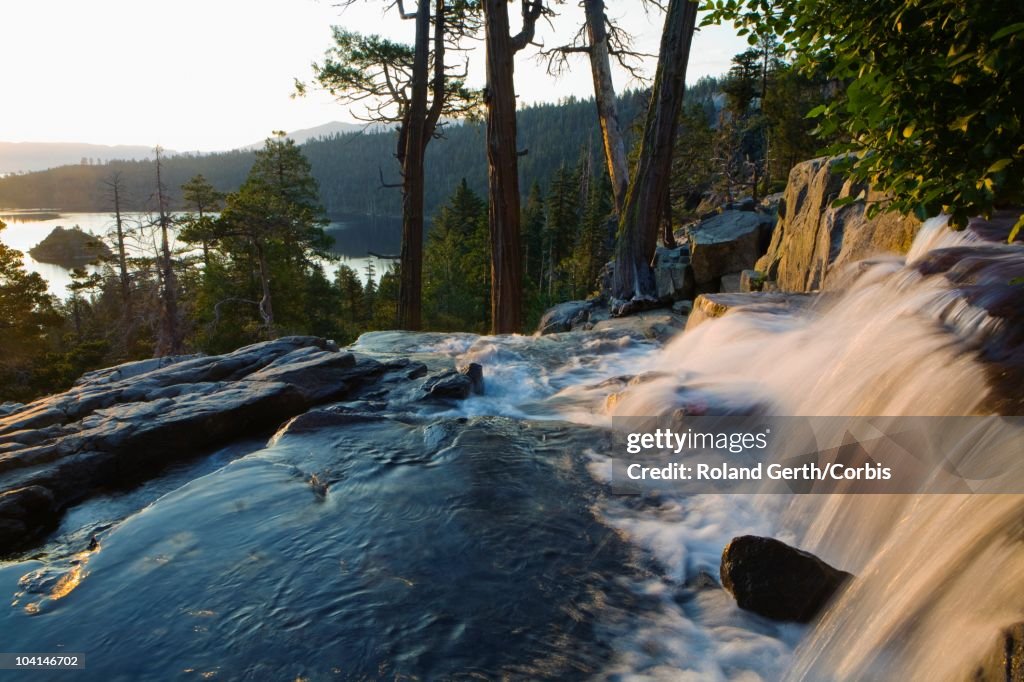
{"x": 777, "y": 581}
{"x": 566, "y": 317}
{"x": 987, "y": 278}
{"x": 121, "y": 425}
{"x": 711, "y": 306}
{"x": 656, "y": 323}
{"x": 659, "y": 325}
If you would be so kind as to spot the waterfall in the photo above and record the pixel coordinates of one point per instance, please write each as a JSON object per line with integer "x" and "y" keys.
{"x": 939, "y": 575}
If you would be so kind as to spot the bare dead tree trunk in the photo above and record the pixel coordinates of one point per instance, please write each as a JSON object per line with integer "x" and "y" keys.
{"x": 122, "y": 259}
{"x": 667, "y": 238}
{"x": 764, "y": 126}
{"x": 503, "y": 161}
{"x": 169, "y": 342}
{"x": 604, "y": 96}
{"x": 266, "y": 305}
{"x": 633, "y": 279}
{"x": 418, "y": 128}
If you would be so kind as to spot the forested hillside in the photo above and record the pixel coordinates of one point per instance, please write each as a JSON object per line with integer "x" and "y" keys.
{"x": 347, "y": 167}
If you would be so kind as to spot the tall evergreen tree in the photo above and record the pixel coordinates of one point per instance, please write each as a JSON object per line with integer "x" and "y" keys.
{"x": 562, "y": 211}
{"x": 201, "y": 200}
{"x": 274, "y": 224}
{"x": 533, "y": 223}
{"x": 26, "y": 316}
{"x": 456, "y": 274}
{"x": 413, "y": 86}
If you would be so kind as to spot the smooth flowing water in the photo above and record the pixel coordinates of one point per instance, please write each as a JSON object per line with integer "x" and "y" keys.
{"x": 481, "y": 540}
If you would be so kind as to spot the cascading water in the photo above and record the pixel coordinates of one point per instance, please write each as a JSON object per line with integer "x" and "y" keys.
{"x": 403, "y": 539}
{"x": 929, "y": 603}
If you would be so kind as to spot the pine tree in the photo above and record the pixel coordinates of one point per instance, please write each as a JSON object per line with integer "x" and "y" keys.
{"x": 594, "y": 240}
{"x": 533, "y": 236}
{"x": 560, "y": 229}
{"x": 274, "y": 224}
{"x": 26, "y": 315}
{"x": 456, "y": 265}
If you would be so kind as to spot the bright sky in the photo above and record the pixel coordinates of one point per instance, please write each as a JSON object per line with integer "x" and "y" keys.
{"x": 217, "y": 74}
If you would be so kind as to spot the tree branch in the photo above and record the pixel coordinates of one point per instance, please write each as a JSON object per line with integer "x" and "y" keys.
{"x": 532, "y": 11}
{"x": 386, "y": 185}
{"x": 401, "y": 10}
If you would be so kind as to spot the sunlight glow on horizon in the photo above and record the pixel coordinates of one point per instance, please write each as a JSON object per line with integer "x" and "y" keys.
{"x": 207, "y": 75}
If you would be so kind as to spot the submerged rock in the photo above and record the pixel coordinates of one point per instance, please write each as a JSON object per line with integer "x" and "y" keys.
{"x": 659, "y": 325}
{"x": 9, "y": 408}
{"x": 777, "y": 581}
{"x": 986, "y": 276}
{"x": 709, "y": 306}
{"x": 70, "y": 248}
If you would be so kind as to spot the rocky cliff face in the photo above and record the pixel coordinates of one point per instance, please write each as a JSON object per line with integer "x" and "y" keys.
{"x": 813, "y": 241}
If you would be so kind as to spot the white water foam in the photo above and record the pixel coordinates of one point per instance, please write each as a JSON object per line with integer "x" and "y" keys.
{"x": 928, "y": 603}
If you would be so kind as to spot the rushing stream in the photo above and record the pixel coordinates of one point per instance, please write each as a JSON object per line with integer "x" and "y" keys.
{"x": 481, "y": 541}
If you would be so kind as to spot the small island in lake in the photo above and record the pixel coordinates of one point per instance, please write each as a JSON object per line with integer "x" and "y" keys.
{"x": 70, "y": 248}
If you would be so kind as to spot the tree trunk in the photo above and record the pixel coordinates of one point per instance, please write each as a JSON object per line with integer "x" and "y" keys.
{"x": 502, "y": 172}
{"x": 633, "y": 279}
{"x": 266, "y": 304}
{"x": 122, "y": 258}
{"x": 169, "y": 342}
{"x": 411, "y": 156}
{"x": 667, "y": 238}
{"x": 607, "y": 106}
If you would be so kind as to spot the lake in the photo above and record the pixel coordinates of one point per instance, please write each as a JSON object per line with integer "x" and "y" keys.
{"x": 354, "y": 236}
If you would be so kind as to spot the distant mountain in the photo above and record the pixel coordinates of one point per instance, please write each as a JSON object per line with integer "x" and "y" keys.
{"x": 26, "y": 157}
{"x": 327, "y": 130}
{"x": 349, "y": 165}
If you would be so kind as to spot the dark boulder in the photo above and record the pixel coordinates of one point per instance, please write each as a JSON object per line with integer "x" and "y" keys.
{"x": 16, "y": 506}
{"x": 448, "y": 385}
{"x": 777, "y": 581}
{"x": 729, "y": 242}
{"x": 476, "y": 375}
